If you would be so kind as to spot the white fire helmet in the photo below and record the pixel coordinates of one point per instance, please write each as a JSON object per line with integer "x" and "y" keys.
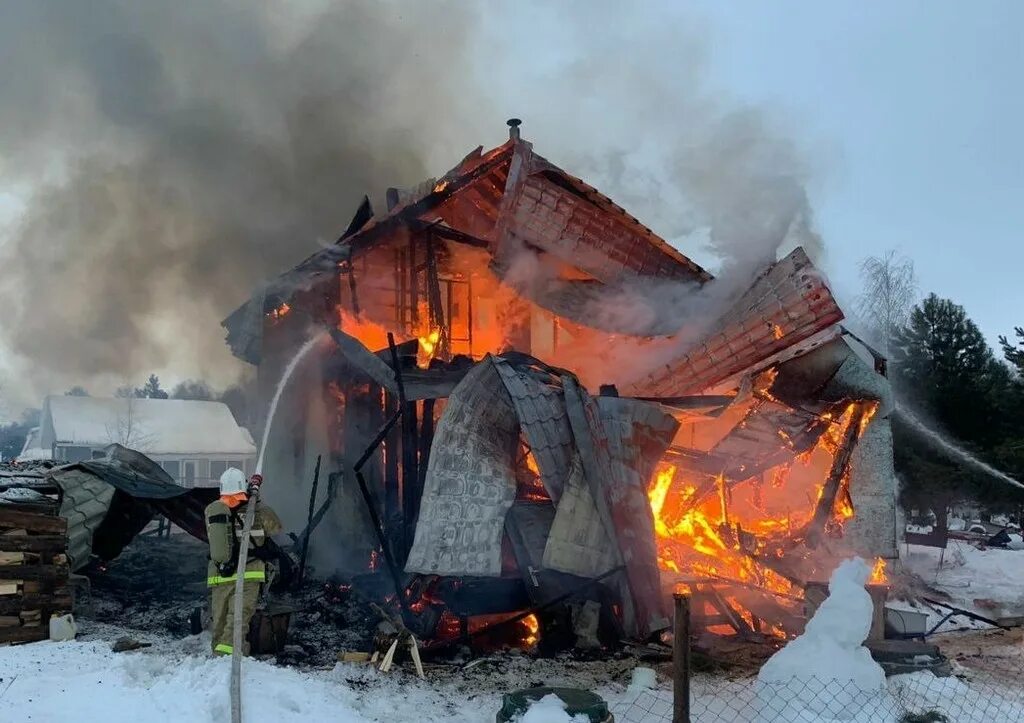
{"x": 232, "y": 481}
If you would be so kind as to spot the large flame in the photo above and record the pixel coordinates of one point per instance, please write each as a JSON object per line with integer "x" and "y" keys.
{"x": 732, "y": 538}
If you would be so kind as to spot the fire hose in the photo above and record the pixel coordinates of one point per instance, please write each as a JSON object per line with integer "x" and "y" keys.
{"x": 236, "y": 632}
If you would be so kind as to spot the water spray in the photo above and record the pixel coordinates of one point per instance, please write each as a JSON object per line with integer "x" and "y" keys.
{"x": 243, "y": 550}
{"x": 955, "y": 450}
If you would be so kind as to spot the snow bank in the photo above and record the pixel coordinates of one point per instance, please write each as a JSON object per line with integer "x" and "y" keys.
{"x": 175, "y": 682}
{"x": 826, "y": 673}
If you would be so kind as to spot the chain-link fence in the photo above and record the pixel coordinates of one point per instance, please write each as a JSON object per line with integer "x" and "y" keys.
{"x": 989, "y": 690}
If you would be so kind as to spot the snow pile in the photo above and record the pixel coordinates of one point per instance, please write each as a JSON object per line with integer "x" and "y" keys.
{"x": 984, "y": 581}
{"x": 643, "y": 679}
{"x": 826, "y": 673}
{"x": 550, "y": 709}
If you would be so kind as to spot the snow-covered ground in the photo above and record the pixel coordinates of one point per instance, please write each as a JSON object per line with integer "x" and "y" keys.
{"x": 178, "y": 682}
{"x": 989, "y": 582}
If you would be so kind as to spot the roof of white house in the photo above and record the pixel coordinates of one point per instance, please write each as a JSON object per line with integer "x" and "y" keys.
{"x": 151, "y": 426}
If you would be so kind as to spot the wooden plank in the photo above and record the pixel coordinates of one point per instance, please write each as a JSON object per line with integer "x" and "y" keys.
{"x": 13, "y": 518}
{"x": 13, "y": 604}
{"x": 46, "y": 573}
{"x": 32, "y": 543}
{"x": 10, "y": 588}
{"x": 24, "y": 634}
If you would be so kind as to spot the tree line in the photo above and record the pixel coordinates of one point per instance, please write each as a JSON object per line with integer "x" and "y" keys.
{"x": 945, "y": 372}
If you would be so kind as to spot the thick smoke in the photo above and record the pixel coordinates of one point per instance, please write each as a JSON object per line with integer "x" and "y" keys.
{"x": 175, "y": 155}
{"x": 179, "y": 153}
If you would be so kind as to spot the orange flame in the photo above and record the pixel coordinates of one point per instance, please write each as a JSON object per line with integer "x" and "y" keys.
{"x": 427, "y": 348}
{"x": 878, "y": 576}
{"x": 727, "y": 538}
{"x": 372, "y": 335}
{"x": 532, "y": 625}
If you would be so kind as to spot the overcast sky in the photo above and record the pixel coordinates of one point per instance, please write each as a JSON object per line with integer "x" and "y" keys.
{"x": 913, "y": 113}
{"x": 906, "y": 117}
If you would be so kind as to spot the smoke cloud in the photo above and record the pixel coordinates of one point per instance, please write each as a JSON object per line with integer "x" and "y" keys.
{"x": 172, "y": 156}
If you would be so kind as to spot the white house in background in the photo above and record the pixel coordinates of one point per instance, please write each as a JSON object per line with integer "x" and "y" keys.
{"x": 193, "y": 441}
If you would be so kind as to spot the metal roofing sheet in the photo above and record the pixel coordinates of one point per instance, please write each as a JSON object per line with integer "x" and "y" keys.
{"x": 541, "y": 411}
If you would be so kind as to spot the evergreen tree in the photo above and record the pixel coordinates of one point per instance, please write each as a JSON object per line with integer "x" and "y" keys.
{"x": 942, "y": 365}
{"x": 192, "y": 389}
{"x": 944, "y": 370}
{"x": 76, "y": 391}
{"x": 1014, "y": 354}
{"x": 151, "y": 389}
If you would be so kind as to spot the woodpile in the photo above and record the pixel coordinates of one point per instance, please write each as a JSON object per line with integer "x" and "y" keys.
{"x": 33, "y": 571}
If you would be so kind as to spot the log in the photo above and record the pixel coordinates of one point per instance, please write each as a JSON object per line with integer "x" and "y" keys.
{"x": 24, "y": 634}
{"x": 32, "y": 543}
{"x": 47, "y": 573}
{"x": 16, "y": 603}
{"x": 14, "y": 518}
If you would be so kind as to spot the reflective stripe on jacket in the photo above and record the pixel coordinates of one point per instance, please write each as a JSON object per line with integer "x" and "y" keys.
{"x": 249, "y": 575}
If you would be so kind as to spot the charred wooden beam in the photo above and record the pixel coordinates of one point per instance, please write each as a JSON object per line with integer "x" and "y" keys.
{"x": 839, "y": 470}
{"x": 309, "y": 518}
{"x": 389, "y": 559}
{"x": 437, "y": 312}
{"x": 448, "y": 233}
{"x": 363, "y": 215}
{"x": 363, "y": 359}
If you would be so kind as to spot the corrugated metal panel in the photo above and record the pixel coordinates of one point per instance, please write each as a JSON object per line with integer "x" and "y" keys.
{"x": 85, "y": 504}
{"x": 540, "y": 407}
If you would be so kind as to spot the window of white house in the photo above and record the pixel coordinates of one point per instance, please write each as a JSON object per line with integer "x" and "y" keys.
{"x": 173, "y": 468}
{"x": 74, "y": 454}
{"x": 188, "y": 473}
{"x": 217, "y": 468}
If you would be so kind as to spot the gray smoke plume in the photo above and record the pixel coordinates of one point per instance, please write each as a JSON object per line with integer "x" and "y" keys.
{"x": 179, "y": 153}
{"x": 176, "y": 154}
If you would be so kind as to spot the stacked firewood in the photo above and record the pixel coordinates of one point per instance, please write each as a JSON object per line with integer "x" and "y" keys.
{"x": 33, "y": 571}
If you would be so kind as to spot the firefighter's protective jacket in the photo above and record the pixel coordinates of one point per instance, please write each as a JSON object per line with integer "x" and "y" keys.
{"x": 224, "y": 531}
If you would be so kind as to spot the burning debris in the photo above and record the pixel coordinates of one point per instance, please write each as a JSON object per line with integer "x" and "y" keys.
{"x": 475, "y": 484}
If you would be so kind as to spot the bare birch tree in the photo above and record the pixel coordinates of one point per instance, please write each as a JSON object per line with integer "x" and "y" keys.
{"x": 890, "y": 290}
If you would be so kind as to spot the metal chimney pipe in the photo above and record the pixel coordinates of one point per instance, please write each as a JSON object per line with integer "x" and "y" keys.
{"x": 513, "y": 128}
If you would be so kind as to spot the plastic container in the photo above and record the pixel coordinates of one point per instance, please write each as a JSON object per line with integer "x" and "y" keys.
{"x": 63, "y": 627}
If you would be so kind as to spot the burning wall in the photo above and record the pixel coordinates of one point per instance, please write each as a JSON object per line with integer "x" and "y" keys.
{"x": 497, "y": 465}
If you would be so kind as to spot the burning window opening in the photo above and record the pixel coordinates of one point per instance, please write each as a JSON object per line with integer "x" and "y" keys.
{"x": 721, "y": 453}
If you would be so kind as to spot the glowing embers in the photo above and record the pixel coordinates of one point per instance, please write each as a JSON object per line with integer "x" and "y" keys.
{"x": 280, "y": 312}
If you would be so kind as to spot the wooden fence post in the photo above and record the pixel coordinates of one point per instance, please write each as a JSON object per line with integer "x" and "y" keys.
{"x": 681, "y": 659}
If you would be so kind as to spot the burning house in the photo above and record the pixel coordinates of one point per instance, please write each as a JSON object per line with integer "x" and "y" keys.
{"x": 506, "y": 412}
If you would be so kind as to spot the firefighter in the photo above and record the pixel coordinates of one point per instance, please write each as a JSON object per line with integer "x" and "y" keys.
{"x": 225, "y": 519}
